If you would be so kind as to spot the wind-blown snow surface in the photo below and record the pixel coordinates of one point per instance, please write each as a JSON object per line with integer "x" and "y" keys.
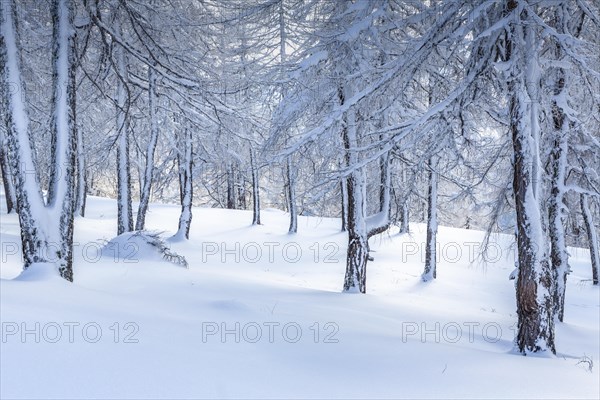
{"x": 369, "y": 346}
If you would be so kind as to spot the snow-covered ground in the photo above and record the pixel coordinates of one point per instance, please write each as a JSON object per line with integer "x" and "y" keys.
{"x": 260, "y": 313}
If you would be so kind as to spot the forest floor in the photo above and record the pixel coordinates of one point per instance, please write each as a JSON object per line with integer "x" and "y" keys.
{"x": 259, "y": 313}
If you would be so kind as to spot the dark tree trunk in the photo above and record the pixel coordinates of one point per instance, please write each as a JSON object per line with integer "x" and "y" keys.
{"x": 430, "y": 271}
{"x": 230, "y": 187}
{"x": 344, "y": 195}
{"x": 291, "y": 195}
{"x": 124, "y": 208}
{"x": 255, "y": 190}
{"x": 592, "y": 236}
{"x": 7, "y": 178}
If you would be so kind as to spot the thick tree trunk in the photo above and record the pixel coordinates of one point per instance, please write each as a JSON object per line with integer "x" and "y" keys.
{"x": 29, "y": 199}
{"x": 46, "y": 229}
{"x": 430, "y": 271}
{"x": 255, "y": 190}
{"x": 185, "y": 178}
{"x": 592, "y": 236}
{"x": 535, "y": 308}
{"x": 357, "y": 255}
{"x": 140, "y": 222}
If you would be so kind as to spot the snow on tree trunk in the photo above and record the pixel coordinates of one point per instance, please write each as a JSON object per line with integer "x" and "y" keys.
{"x": 592, "y": 236}
{"x": 558, "y": 165}
{"x": 185, "y": 178}
{"x": 535, "y": 278}
{"x": 432, "y": 225}
{"x": 140, "y": 222}
{"x": 255, "y": 190}
{"x": 125, "y": 212}
{"x": 61, "y": 191}
{"x": 46, "y": 229}
{"x": 30, "y": 203}
{"x": 357, "y": 255}
{"x": 7, "y": 178}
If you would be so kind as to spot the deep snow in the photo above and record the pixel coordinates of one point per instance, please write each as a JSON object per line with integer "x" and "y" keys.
{"x": 161, "y": 323}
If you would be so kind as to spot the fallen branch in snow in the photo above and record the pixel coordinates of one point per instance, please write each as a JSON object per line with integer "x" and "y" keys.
{"x": 587, "y": 361}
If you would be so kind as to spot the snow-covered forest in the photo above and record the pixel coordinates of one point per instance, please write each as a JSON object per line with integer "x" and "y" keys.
{"x": 199, "y": 183}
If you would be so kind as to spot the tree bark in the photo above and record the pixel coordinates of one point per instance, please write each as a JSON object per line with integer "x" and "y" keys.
{"x": 255, "y": 190}
{"x": 430, "y": 271}
{"x": 46, "y": 228}
{"x": 535, "y": 308}
{"x": 187, "y": 189}
{"x": 7, "y": 178}
{"x": 125, "y": 212}
{"x": 592, "y": 236}
{"x": 140, "y": 222}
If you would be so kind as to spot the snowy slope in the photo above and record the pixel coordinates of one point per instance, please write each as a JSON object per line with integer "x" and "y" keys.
{"x": 297, "y": 334}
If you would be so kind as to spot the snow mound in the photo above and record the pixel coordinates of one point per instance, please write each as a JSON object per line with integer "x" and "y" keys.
{"x": 131, "y": 247}
{"x": 39, "y": 272}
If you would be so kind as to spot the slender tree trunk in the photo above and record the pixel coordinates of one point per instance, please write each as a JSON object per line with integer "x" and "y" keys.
{"x": 140, "y": 222}
{"x": 430, "y": 271}
{"x": 125, "y": 212}
{"x": 61, "y": 193}
{"x": 344, "y": 195}
{"x": 592, "y": 236}
{"x": 291, "y": 186}
{"x": 230, "y": 186}
{"x": 7, "y": 178}
{"x": 255, "y": 190}
{"x": 558, "y": 166}
{"x": 185, "y": 172}
{"x": 535, "y": 308}
{"x": 81, "y": 200}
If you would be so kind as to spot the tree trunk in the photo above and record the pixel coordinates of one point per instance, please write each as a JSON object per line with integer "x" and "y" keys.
{"x": 140, "y": 222}
{"x": 357, "y": 255}
{"x": 290, "y": 173}
{"x": 81, "y": 177}
{"x": 535, "y": 308}
{"x": 592, "y": 236}
{"x": 7, "y": 178}
{"x": 61, "y": 191}
{"x": 29, "y": 199}
{"x": 430, "y": 271}
{"x": 46, "y": 229}
{"x": 125, "y": 212}
{"x": 344, "y": 195}
{"x": 185, "y": 172}
{"x": 255, "y": 190}
{"x": 230, "y": 187}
